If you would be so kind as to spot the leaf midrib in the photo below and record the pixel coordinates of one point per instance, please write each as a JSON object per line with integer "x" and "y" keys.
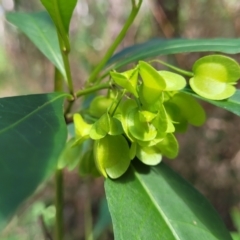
{"x": 31, "y": 113}
{"x": 163, "y": 215}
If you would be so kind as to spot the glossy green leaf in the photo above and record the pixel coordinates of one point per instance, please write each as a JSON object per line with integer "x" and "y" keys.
{"x": 158, "y": 47}
{"x": 174, "y": 82}
{"x": 232, "y": 104}
{"x": 61, "y": 12}
{"x": 33, "y": 133}
{"x": 213, "y": 76}
{"x": 112, "y": 155}
{"x": 40, "y": 30}
{"x": 156, "y": 203}
{"x": 149, "y": 155}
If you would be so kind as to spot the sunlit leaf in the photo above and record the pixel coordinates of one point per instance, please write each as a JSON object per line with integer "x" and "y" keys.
{"x": 40, "y": 30}
{"x": 156, "y": 203}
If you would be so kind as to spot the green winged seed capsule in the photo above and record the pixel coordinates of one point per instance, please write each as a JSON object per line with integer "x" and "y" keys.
{"x": 105, "y": 125}
{"x": 174, "y": 82}
{"x": 163, "y": 122}
{"x": 99, "y": 106}
{"x": 87, "y": 165}
{"x": 169, "y": 146}
{"x": 69, "y": 157}
{"x": 153, "y": 83}
{"x": 127, "y": 107}
{"x": 149, "y": 155}
{"x": 127, "y": 80}
{"x": 112, "y": 156}
{"x": 142, "y": 131}
{"x": 146, "y": 116}
{"x": 133, "y": 149}
{"x": 188, "y": 108}
{"x": 82, "y": 129}
{"x": 214, "y": 77}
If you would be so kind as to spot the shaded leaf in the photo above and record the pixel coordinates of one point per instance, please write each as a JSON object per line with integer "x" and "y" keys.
{"x": 231, "y": 104}
{"x": 40, "y": 30}
{"x": 104, "y": 219}
{"x": 157, "y": 47}
{"x": 156, "y": 203}
{"x": 32, "y": 135}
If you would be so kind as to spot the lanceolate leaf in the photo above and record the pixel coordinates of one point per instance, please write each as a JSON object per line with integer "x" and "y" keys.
{"x": 157, "y": 47}
{"x": 41, "y": 31}
{"x": 60, "y": 11}
{"x": 32, "y": 135}
{"x": 232, "y": 104}
{"x": 156, "y": 203}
